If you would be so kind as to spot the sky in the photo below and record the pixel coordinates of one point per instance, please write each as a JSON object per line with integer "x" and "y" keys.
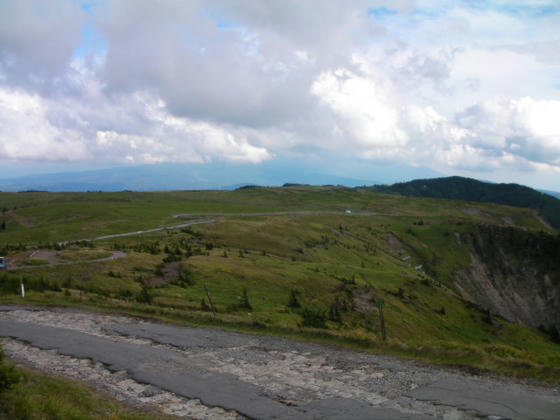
{"x": 466, "y": 88}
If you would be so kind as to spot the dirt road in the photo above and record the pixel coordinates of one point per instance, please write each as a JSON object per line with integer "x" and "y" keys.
{"x": 213, "y": 219}
{"x": 207, "y": 373}
{"x": 52, "y": 260}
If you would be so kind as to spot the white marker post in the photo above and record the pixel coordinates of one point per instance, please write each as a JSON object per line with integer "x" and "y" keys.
{"x": 22, "y": 288}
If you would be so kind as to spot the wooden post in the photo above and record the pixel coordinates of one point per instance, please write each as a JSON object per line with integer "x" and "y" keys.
{"x": 380, "y": 305}
{"x": 210, "y": 300}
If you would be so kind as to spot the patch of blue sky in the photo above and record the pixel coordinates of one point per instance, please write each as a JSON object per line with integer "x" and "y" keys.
{"x": 410, "y": 25}
{"x": 92, "y": 42}
{"x": 88, "y": 5}
{"x": 217, "y": 15}
{"x": 515, "y": 8}
{"x": 529, "y": 11}
{"x": 381, "y": 12}
{"x": 224, "y": 25}
{"x": 477, "y": 4}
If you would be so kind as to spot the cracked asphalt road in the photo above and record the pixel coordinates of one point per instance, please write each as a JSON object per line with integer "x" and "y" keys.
{"x": 217, "y": 374}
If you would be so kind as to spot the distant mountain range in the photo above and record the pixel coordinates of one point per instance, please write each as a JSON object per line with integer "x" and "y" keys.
{"x": 459, "y": 188}
{"x": 227, "y": 176}
{"x": 213, "y": 175}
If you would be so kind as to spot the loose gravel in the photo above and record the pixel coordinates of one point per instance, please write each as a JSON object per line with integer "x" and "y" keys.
{"x": 292, "y": 373}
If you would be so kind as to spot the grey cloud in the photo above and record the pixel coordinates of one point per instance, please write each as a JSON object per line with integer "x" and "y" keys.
{"x": 37, "y": 39}
{"x": 232, "y": 61}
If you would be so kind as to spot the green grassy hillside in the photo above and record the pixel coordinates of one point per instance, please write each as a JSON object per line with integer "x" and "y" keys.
{"x": 319, "y": 275}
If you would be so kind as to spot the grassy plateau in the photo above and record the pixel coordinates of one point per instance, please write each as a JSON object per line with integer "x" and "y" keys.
{"x": 322, "y": 275}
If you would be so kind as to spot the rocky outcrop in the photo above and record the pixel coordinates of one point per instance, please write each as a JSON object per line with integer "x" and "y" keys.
{"x": 514, "y": 273}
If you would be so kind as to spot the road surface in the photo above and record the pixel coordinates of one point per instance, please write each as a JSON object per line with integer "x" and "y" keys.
{"x": 214, "y": 220}
{"x": 208, "y": 373}
{"x": 49, "y": 256}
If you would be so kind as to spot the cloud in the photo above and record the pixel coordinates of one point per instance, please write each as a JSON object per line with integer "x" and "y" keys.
{"x": 33, "y": 129}
{"x": 451, "y": 85}
{"x": 27, "y": 133}
{"x": 37, "y": 39}
{"x": 365, "y": 109}
{"x": 524, "y": 127}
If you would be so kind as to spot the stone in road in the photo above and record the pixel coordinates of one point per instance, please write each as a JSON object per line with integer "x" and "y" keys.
{"x": 274, "y": 378}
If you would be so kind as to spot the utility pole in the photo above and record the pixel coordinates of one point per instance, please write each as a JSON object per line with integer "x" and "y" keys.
{"x": 380, "y": 305}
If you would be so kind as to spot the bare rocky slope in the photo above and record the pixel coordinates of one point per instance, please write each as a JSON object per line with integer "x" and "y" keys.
{"x": 515, "y": 274}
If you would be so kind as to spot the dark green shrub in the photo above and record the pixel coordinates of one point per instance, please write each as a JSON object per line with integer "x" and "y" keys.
{"x": 159, "y": 270}
{"x": 204, "y": 306}
{"x": 124, "y": 294}
{"x": 293, "y": 301}
{"x": 184, "y": 278}
{"x": 144, "y": 296}
{"x": 334, "y": 311}
{"x": 314, "y": 318}
{"x": 8, "y": 375}
{"x": 244, "y": 300}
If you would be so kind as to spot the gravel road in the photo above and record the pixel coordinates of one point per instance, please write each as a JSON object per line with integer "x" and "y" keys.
{"x": 50, "y": 257}
{"x": 204, "y": 373}
{"x": 280, "y": 213}
{"x": 213, "y": 220}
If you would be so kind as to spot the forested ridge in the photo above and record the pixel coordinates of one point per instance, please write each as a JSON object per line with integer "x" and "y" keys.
{"x": 459, "y": 188}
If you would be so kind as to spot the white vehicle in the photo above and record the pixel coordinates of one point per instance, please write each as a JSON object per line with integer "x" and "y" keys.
{"x": 348, "y": 211}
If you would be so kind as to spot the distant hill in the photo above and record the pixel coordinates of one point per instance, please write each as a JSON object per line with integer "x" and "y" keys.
{"x": 459, "y": 188}
{"x": 555, "y": 194}
{"x": 216, "y": 175}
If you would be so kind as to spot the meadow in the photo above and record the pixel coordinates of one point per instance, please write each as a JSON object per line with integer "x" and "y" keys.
{"x": 322, "y": 276}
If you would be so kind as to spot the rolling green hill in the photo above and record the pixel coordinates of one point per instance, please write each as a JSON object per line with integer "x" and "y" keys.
{"x": 302, "y": 261}
{"x": 458, "y": 188}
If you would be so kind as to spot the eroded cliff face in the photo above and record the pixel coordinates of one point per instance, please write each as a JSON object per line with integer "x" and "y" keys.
{"x": 515, "y": 274}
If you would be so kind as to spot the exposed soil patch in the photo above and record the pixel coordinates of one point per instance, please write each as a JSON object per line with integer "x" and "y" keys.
{"x": 170, "y": 273}
{"x": 363, "y": 300}
{"x": 18, "y": 261}
{"x": 394, "y": 242}
{"x": 22, "y": 220}
{"x": 473, "y": 211}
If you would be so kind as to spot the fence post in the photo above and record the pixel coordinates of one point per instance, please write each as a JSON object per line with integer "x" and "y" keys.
{"x": 210, "y": 300}
{"x": 380, "y": 305}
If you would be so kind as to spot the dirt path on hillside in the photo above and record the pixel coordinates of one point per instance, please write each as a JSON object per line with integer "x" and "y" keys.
{"x": 280, "y": 213}
{"x": 50, "y": 257}
{"x": 214, "y": 220}
{"x": 206, "y": 373}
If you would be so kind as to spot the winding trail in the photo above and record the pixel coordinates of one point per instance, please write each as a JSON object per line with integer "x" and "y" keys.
{"x": 142, "y": 232}
{"x": 114, "y": 255}
{"x": 213, "y": 219}
{"x": 206, "y": 373}
{"x": 280, "y": 213}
